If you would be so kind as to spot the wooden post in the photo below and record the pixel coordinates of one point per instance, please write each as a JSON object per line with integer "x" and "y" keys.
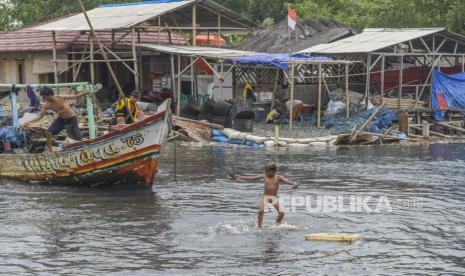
{"x": 14, "y": 109}
{"x": 159, "y": 30}
{"x": 178, "y": 107}
{"x": 73, "y": 70}
{"x": 194, "y": 24}
{"x": 347, "y": 91}
{"x": 54, "y": 53}
{"x": 276, "y": 134}
{"x": 383, "y": 64}
{"x": 318, "y": 123}
{"x": 134, "y": 56}
{"x": 92, "y": 64}
{"x": 192, "y": 77}
{"x": 173, "y": 75}
{"x": 221, "y": 80}
{"x": 291, "y": 111}
{"x": 219, "y": 30}
{"x": 401, "y": 80}
{"x": 194, "y": 43}
{"x": 425, "y": 129}
{"x": 463, "y": 63}
{"x": 90, "y": 110}
{"x": 368, "y": 79}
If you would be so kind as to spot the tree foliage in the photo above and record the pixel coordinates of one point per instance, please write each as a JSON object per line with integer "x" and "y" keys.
{"x": 358, "y": 14}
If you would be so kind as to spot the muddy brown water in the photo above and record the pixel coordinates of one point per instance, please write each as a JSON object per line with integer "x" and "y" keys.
{"x": 206, "y": 224}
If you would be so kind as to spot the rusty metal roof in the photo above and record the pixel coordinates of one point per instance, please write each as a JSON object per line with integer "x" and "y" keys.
{"x": 29, "y": 39}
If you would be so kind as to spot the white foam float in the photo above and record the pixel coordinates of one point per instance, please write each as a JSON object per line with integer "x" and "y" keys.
{"x": 288, "y": 140}
{"x": 228, "y": 131}
{"x": 297, "y": 145}
{"x": 256, "y": 139}
{"x": 306, "y": 140}
{"x": 326, "y": 138}
{"x": 318, "y": 144}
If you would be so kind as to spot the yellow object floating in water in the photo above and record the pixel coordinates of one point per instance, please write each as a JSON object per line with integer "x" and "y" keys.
{"x": 332, "y": 237}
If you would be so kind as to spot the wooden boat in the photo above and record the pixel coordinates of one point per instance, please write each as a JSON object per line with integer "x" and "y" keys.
{"x": 127, "y": 155}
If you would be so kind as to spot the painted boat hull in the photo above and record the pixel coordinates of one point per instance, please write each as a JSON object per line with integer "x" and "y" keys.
{"x": 128, "y": 155}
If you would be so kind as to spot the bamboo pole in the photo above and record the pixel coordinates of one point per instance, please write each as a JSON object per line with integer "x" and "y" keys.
{"x": 73, "y": 71}
{"x": 318, "y": 123}
{"x": 92, "y": 65}
{"x": 54, "y": 53}
{"x": 192, "y": 78}
{"x": 178, "y": 106}
{"x": 96, "y": 52}
{"x": 291, "y": 115}
{"x": 221, "y": 80}
{"x": 347, "y": 91}
{"x": 401, "y": 80}
{"x": 194, "y": 24}
{"x": 159, "y": 30}
{"x": 383, "y": 64}
{"x": 173, "y": 75}
{"x": 354, "y": 137}
{"x": 89, "y": 98}
{"x": 219, "y": 30}
{"x": 134, "y": 56}
{"x": 104, "y": 54}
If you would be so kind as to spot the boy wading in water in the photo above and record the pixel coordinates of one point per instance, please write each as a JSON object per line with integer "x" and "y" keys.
{"x": 272, "y": 181}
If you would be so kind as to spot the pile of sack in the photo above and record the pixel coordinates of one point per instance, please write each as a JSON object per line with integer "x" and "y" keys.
{"x": 232, "y": 136}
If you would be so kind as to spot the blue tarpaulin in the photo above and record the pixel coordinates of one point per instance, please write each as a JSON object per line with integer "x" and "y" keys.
{"x": 278, "y": 60}
{"x": 448, "y": 92}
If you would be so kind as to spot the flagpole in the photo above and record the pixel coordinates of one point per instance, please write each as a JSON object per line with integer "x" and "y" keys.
{"x": 288, "y": 26}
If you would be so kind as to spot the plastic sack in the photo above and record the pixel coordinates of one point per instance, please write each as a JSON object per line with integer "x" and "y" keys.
{"x": 334, "y": 107}
{"x": 217, "y": 132}
{"x": 236, "y": 142}
{"x": 220, "y": 139}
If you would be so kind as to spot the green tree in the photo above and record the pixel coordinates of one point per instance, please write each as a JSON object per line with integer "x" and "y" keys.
{"x": 358, "y": 14}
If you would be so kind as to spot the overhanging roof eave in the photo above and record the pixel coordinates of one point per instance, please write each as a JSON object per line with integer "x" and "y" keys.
{"x": 195, "y": 51}
{"x": 121, "y": 17}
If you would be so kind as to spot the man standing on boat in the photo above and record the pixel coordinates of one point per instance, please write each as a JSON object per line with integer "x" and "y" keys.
{"x": 128, "y": 109}
{"x": 66, "y": 119}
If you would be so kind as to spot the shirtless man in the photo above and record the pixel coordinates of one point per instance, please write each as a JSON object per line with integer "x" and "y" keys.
{"x": 66, "y": 116}
{"x": 272, "y": 181}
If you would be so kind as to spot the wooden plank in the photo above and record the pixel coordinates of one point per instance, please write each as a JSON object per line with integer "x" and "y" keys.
{"x": 215, "y": 126}
{"x": 450, "y": 126}
{"x": 432, "y": 132}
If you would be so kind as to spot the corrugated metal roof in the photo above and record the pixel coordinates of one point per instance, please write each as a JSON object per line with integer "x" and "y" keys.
{"x": 370, "y": 40}
{"x": 29, "y": 39}
{"x": 196, "y": 51}
{"x": 122, "y": 16}
{"x": 114, "y": 17}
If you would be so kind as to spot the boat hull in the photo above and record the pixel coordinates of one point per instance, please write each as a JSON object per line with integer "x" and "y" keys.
{"x": 127, "y": 155}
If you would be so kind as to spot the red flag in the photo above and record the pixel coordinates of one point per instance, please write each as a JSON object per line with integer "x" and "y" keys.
{"x": 291, "y": 17}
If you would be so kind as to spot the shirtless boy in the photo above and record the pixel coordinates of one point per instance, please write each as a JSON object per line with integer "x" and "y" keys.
{"x": 66, "y": 116}
{"x": 272, "y": 181}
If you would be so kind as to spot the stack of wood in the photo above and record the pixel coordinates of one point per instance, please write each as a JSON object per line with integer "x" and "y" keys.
{"x": 406, "y": 104}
